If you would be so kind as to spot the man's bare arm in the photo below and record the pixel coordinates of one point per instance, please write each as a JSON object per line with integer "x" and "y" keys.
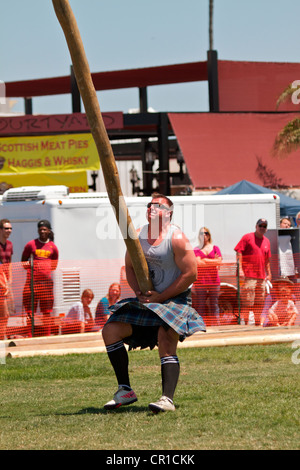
{"x": 185, "y": 260}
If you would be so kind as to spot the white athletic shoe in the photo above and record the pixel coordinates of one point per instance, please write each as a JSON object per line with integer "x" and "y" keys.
{"x": 121, "y": 397}
{"x": 163, "y": 404}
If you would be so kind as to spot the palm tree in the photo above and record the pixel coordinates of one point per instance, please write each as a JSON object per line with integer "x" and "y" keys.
{"x": 288, "y": 139}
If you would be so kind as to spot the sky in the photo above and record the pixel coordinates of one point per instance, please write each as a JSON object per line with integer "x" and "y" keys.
{"x": 127, "y": 34}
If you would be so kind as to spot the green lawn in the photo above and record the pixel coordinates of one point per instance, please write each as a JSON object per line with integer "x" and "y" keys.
{"x": 227, "y": 398}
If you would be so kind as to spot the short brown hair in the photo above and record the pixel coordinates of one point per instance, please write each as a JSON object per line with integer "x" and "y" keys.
{"x": 87, "y": 292}
{"x": 286, "y": 218}
{"x": 156, "y": 195}
{"x": 4, "y": 221}
{"x": 166, "y": 198}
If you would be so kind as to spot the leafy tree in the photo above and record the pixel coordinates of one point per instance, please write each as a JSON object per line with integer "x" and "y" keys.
{"x": 288, "y": 139}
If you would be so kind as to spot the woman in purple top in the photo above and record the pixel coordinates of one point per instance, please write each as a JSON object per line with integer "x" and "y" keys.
{"x": 209, "y": 259}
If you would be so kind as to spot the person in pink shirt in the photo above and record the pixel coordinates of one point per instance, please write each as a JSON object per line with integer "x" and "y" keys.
{"x": 253, "y": 255}
{"x": 44, "y": 253}
{"x": 209, "y": 259}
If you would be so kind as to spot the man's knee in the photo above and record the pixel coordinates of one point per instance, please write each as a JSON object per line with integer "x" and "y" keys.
{"x": 106, "y": 331}
{"x": 167, "y": 341}
{"x": 115, "y": 331}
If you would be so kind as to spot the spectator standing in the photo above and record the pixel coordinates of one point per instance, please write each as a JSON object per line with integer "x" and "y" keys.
{"x": 298, "y": 219}
{"x": 79, "y": 318}
{"x": 44, "y": 254}
{"x": 6, "y": 246}
{"x": 102, "y": 309}
{"x": 6, "y": 298}
{"x": 209, "y": 259}
{"x": 286, "y": 256}
{"x": 253, "y": 255}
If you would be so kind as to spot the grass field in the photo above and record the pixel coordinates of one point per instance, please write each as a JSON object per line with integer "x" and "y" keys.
{"x": 227, "y": 398}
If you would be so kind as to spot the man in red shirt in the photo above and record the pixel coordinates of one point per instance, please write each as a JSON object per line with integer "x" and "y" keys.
{"x": 253, "y": 255}
{"x": 44, "y": 254}
{"x": 6, "y": 252}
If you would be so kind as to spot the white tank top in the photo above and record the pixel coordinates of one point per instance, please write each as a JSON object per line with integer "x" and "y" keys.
{"x": 160, "y": 259}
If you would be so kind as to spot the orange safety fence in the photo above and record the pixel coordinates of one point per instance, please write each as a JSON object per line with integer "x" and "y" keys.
{"x": 215, "y": 295}
{"x": 76, "y": 297}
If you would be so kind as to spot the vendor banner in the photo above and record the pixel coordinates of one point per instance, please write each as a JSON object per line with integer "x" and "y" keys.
{"x": 46, "y": 124}
{"x": 76, "y": 181}
{"x": 36, "y": 154}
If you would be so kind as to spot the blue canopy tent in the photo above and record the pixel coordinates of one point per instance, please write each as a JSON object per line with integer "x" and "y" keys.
{"x": 288, "y": 205}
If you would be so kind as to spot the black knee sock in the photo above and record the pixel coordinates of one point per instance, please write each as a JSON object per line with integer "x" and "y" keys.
{"x": 169, "y": 375}
{"x": 119, "y": 360}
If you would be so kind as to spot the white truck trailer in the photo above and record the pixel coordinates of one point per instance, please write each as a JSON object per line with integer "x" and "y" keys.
{"x": 85, "y": 228}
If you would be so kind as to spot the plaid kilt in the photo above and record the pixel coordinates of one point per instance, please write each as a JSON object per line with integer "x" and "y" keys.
{"x": 176, "y": 313}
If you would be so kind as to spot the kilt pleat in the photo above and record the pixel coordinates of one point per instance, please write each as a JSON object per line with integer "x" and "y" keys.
{"x": 176, "y": 312}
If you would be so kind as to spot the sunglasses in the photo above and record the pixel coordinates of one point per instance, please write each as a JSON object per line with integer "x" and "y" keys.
{"x": 204, "y": 233}
{"x": 156, "y": 205}
{"x": 263, "y": 226}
